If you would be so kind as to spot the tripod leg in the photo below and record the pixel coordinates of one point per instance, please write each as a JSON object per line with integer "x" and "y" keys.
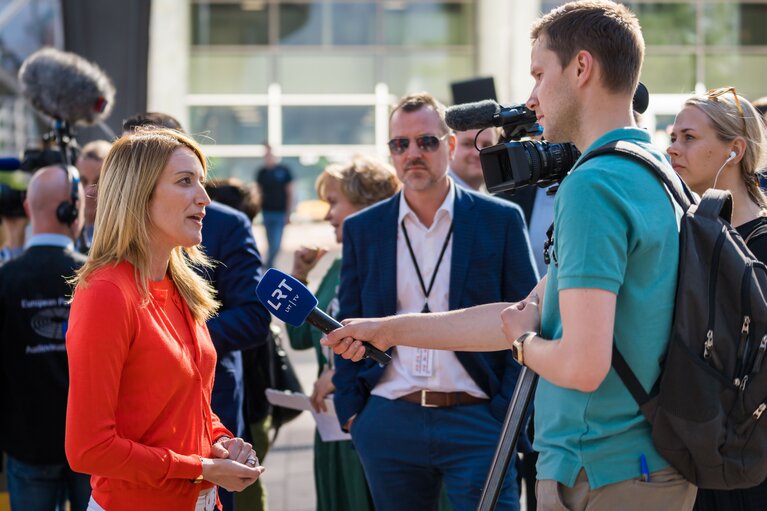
{"x": 512, "y": 426}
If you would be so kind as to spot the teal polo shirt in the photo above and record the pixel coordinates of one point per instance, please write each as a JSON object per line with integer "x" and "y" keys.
{"x": 614, "y": 229}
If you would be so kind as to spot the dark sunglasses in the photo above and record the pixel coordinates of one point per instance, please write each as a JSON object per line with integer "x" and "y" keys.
{"x": 426, "y": 143}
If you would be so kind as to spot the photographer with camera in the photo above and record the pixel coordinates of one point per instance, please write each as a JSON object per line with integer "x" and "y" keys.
{"x": 615, "y": 250}
{"x": 34, "y": 312}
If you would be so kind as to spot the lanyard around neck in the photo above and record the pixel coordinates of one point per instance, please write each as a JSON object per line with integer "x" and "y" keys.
{"x": 426, "y": 291}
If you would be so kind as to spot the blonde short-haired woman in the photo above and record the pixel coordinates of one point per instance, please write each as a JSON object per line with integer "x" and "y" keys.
{"x": 141, "y": 361}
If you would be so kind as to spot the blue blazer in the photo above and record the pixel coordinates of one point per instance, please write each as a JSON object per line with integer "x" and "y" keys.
{"x": 491, "y": 262}
{"x": 242, "y": 322}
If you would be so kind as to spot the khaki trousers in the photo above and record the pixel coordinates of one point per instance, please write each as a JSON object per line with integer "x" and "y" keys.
{"x": 667, "y": 490}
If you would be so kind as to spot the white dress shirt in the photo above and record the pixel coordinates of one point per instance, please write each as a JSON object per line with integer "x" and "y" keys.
{"x": 413, "y": 369}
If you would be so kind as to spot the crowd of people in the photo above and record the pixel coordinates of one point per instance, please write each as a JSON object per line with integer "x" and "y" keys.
{"x": 126, "y": 313}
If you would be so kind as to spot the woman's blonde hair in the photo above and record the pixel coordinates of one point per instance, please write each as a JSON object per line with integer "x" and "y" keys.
{"x": 729, "y": 123}
{"x": 364, "y": 180}
{"x": 128, "y": 180}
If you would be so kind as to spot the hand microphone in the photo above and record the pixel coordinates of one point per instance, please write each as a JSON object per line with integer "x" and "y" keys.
{"x": 66, "y": 87}
{"x": 291, "y": 302}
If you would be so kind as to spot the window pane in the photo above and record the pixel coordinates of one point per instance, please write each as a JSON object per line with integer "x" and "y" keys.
{"x": 753, "y": 25}
{"x": 328, "y": 125}
{"x": 734, "y": 24}
{"x": 241, "y": 168}
{"x": 671, "y": 74}
{"x": 320, "y": 73}
{"x": 745, "y": 72}
{"x": 304, "y": 174}
{"x": 667, "y": 24}
{"x": 353, "y": 24}
{"x": 32, "y": 26}
{"x": 228, "y": 73}
{"x": 301, "y": 23}
{"x": 229, "y": 124}
{"x": 430, "y": 72}
{"x": 245, "y": 23}
{"x": 434, "y": 24}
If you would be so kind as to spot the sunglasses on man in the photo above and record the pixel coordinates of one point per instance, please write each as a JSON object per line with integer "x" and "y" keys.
{"x": 426, "y": 143}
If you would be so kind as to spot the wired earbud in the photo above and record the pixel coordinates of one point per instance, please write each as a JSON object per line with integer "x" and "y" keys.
{"x": 731, "y": 157}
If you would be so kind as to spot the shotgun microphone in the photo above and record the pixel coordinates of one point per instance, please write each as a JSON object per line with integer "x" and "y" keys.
{"x": 66, "y": 87}
{"x": 290, "y": 301}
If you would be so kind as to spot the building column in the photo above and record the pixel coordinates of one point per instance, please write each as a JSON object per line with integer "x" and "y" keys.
{"x": 503, "y": 46}
{"x": 169, "y": 46}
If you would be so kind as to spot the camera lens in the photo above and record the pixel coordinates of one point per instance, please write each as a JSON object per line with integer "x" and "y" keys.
{"x": 549, "y": 163}
{"x": 512, "y": 165}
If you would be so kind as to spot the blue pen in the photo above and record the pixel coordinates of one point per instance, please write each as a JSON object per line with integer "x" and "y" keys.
{"x": 643, "y": 468}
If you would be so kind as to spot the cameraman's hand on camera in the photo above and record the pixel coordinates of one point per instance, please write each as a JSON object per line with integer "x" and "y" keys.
{"x": 304, "y": 260}
{"x": 347, "y": 340}
{"x": 521, "y": 317}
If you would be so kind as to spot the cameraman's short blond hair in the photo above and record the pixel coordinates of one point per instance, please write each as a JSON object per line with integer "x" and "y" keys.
{"x": 364, "y": 180}
{"x": 607, "y": 30}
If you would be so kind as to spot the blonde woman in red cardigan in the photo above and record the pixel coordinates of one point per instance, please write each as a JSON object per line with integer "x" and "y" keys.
{"x": 141, "y": 361}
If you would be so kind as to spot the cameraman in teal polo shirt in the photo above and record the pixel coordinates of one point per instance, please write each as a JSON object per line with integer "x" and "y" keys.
{"x": 612, "y": 278}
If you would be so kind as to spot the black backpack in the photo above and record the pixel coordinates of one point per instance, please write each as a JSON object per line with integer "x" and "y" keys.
{"x": 706, "y": 410}
{"x": 268, "y": 367}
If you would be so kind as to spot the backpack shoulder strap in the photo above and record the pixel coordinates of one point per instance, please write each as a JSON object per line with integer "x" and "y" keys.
{"x": 628, "y": 377}
{"x": 679, "y": 191}
{"x": 680, "y": 194}
{"x": 756, "y": 233}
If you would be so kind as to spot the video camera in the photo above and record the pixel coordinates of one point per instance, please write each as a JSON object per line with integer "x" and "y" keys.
{"x": 12, "y": 195}
{"x": 513, "y": 164}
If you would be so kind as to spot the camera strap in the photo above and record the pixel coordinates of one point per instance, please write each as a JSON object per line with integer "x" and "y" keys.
{"x": 426, "y": 291}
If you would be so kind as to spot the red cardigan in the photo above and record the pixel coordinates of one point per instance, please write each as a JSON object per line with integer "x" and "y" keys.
{"x": 138, "y": 415}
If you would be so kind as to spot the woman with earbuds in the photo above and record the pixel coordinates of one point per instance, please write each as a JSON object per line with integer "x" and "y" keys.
{"x": 718, "y": 141}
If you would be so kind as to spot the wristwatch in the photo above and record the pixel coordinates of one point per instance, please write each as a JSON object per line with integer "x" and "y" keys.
{"x": 518, "y": 347}
{"x": 198, "y": 479}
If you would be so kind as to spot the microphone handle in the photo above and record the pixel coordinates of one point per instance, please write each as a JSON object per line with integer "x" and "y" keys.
{"x": 318, "y": 319}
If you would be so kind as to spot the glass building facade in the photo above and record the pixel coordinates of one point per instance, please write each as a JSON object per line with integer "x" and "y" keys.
{"x": 707, "y": 42}
{"x": 315, "y": 77}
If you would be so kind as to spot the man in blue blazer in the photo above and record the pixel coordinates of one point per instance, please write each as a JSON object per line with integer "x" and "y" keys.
{"x": 430, "y": 417}
{"x": 242, "y": 322}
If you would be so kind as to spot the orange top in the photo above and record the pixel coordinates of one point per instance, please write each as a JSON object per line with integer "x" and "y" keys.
{"x": 138, "y": 415}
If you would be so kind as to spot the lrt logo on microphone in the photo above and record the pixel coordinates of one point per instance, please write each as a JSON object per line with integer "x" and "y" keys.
{"x": 283, "y": 298}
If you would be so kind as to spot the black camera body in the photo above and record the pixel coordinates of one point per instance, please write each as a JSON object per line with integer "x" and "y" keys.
{"x": 12, "y": 199}
{"x": 512, "y": 164}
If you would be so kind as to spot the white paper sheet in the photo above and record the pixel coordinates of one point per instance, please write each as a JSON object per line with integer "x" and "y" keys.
{"x": 327, "y": 422}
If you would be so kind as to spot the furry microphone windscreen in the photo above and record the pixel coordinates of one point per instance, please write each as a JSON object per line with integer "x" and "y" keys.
{"x": 67, "y": 87}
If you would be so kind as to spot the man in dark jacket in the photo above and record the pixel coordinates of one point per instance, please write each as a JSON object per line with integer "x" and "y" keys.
{"x": 34, "y": 311}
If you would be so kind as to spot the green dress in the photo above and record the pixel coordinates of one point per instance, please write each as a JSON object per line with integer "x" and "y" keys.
{"x": 338, "y": 477}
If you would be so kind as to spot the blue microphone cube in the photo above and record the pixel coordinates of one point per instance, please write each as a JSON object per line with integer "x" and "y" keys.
{"x": 285, "y": 297}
